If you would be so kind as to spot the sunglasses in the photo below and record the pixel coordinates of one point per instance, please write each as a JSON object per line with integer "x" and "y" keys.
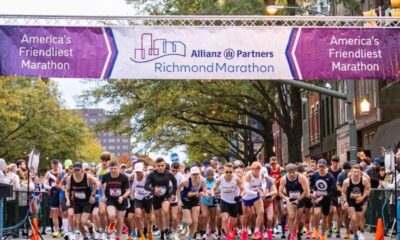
{"x": 123, "y": 167}
{"x": 175, "y": 170}
{"x": 77, "y": 169}
{"x": 228, "y": 172}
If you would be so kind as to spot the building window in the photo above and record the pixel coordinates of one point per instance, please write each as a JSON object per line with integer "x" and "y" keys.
{"x": 111, "y": 140}
{"x": 125, "y": 147}
{"x": 111, "y": 147}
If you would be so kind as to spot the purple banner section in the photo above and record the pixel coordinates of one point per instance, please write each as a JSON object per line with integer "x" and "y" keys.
{"x": 345, "y": 53}
{"x": 56, "y": 51}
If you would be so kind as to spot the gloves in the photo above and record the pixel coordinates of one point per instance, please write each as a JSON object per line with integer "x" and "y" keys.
{"x": 238, "y": 198}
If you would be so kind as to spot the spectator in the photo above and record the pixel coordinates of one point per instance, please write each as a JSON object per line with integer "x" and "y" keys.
{"x": 21, "y": 165}
{"x": 383, "y": 177}
{"x": 373, "y": 172}
{"x": 3, "y": 169}
{"x": 23, "y": 201}
{"x": 13, "y": 179}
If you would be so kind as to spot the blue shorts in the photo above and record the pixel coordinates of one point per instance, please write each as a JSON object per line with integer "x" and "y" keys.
{"x": 249, "y": 203}
{"x": 54, "y": 198}
{"x": 209, "y": 202}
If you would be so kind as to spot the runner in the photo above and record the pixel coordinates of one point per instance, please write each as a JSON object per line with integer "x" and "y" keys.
{"x": 231, "y": 189}
{"x": 67, "y": 213}
{"x": 142, "y": 203}
{"x": 335, "y": 170}
{"x": 116, "y": 190}
{"x": 193, "y": 188}
{"x": 95, "y": 217}
{"x": 355, "y": 191}
{"x": 157, "y": 183}
{"x": 296, "y": 190}
{"x": 254, "y": 185}
{"x": 49, "y": 183}
{"x": 308, "y": 207}
{"x": 208, "y": 207}
{"x": 324, "y": 189}
{"x": 78, "y": 188}
{"x": 275, "y": 172}
{"x": 270, "y": 192}
{"x": 341, "y": 178}
{"x": 102, "y": 169}
{"x": 175, "y": 203}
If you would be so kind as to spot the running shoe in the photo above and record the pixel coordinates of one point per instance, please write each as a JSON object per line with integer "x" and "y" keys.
{"x": 150, "y": 234}
{"x": 55, "y": 234}
{"x": 329, "y": 235}
{"x": 175, "y": 236}
{"x": 233, "y": 234}
{"x": 157, "y": 233}
{"x": 71, "y": 236}
{"x": 257, "y": 235}
{"x": 347, "y": 235}
{"x": 204, "y": 237}
{"x": 356, "y": 237}
{"x": 244, "y": 235}
{"x": 228, "y": 237}
{"x": 111, "y": 228}
{"x": 214, "y": 236}
{"x": 338, "y": 235}
{"x": 269, "y": 234}
{"x": 135, "y": 235}
{"x": 323, "y": 236}
{"x": 283, "y": 236}
{"x": 308, "y": 235}
{"x": 361, "y": 235}
{"x": 142, "y": 237}
{"x": 315, "y": 234}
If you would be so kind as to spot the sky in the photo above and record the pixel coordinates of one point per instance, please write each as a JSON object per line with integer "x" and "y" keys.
{"x": 70, "y": 89}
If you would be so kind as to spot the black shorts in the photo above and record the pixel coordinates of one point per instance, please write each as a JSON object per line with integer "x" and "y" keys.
{"x": 114, "y": 202}
{"x": 131, "y": 206}
{"x": 157, "y": 201}
{"x": 240, "y": 208}
{"x": 335, "y": 202}
{"x": 357, "y": 206}
{"x": 174, "y": 204}
{"x": 63, "y": 205}
{"x": 54, "y": 198}
{"x": 143, "y": 204}
{"x": 230, "y": 208}
{"x": 81, "y": 207}
{"x": 191, "y": 204}
{"x": 307, "y": 203}
{"x": 325, "y": 205}
{"x": 95, "y": 205}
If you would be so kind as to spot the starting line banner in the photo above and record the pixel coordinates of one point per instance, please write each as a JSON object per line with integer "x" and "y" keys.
{"x": 200, "y": 52}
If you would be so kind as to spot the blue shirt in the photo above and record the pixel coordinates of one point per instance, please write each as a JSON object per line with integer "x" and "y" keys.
{"x": 340, "y": 180}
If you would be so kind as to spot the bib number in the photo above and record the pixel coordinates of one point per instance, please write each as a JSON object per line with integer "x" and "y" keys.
{"x": 322, "y": 193}
{"x": 115, "y": 192}
{"x": 80, "y": 195}
{"x": 294, "y": 194}
{"x": 228, "y": 190}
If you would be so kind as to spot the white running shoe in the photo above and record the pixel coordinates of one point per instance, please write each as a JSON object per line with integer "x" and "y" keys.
{"x": 71, "y": 236}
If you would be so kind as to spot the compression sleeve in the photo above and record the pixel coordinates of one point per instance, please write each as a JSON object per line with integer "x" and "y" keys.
{"x": 148, "y": 184}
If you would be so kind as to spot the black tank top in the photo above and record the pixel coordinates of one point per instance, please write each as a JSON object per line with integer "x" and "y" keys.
{"x": 293, "y": 188}
{"x": 355, "y": 189}
{"x": 80, "y": 190}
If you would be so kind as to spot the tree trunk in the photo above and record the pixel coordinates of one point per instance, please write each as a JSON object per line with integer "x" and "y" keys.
{"x": 268, "y": 139}
{"x": 295, "y": 134}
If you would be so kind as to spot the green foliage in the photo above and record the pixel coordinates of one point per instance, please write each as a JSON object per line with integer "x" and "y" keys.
{"x": 32, "y": 117}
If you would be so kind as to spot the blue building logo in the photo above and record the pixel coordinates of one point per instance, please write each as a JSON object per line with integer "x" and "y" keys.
{"x": 151, "y": 49}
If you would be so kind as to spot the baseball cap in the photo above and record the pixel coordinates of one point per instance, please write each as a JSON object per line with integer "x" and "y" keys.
{"x": 85, "y": 166}
{"x": 139, "y": 168}
{"x": 68, "y": 163}
{"x": 322, "y": 162}
{"x": 134, "y": 159}
{"x": 215, "y": 159}
{"x": 174, "y": 157}
{"x": 78, "y": 165}
{"x": 377, "y": 160}
{"x": 206, "y": 163}
{"x": 194, "y": 170}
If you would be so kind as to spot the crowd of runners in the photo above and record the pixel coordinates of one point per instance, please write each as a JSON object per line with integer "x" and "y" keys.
{"x": 207, "y": 201}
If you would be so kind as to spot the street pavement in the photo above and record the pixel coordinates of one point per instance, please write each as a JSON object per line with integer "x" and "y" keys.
{"x": 368, "y": 236}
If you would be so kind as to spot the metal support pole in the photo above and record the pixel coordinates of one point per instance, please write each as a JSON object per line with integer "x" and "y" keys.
{"x": 1, "y": 217}
{"x": 351, "y": 121}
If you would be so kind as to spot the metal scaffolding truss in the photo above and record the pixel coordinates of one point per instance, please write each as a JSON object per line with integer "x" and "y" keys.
{"x": 200, "y": 21}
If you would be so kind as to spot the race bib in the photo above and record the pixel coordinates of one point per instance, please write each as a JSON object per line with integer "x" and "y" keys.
{"x": 80, "y": 195}
{"x": 115, "y": 192}
{"x": 141, "y": 191}
{"x": 294, "y": 194}
{"x": 163, "y": 190}
{"x": 228, "y": 190}
{"x": 355, "y": 195}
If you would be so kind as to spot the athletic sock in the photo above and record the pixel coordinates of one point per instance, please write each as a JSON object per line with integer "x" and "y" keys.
{"x": 65, "y": 225}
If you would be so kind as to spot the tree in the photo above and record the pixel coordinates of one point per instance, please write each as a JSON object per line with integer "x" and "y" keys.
{"x": 32, "y": 117}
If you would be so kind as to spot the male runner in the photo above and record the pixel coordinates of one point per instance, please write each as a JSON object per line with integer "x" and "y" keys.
{"x": 66, "y": 212}
{"x": 355, "y": 190}
{"x": 335, "y": 170}
{"x": 157, "y": 183}
{"x": 101, "y": 170}
{"x": 208, "y": 207}
{"x": 296, "y": 190}
{"x": 49, "y": 183}
{"x": 115, "y": 186}
{"x": 78, "y": 188}
{"x": 174, "y": 203}
{"x": 324, "y": 185}
{"x": 345, "y": 216}
{"x": 231, "y": 188}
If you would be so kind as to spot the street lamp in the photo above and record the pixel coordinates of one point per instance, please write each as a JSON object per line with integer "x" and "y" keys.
{"x": 365, "y": 107}
{"x": 273, "y": 9}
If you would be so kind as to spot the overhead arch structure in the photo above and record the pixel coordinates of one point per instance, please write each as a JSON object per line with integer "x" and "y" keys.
{"x": 200, "y": 47}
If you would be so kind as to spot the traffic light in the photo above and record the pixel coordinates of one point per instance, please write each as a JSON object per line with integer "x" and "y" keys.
{"x": 370, "y": 13}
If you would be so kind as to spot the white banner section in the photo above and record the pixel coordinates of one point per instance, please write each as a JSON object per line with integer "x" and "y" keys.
{"x": 202, "y": 53}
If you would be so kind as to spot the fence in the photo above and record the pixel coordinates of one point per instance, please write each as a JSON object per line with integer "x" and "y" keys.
{"x": 381, "y": 205}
